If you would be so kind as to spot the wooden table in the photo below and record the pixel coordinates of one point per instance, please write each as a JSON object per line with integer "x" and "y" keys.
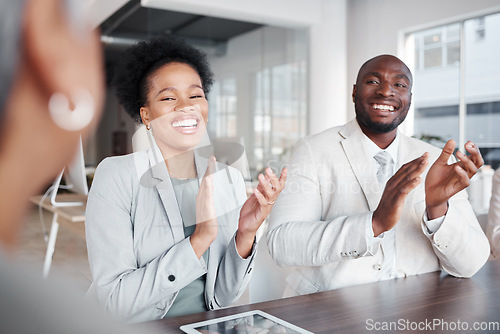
{"x": 416, "y": 303}
{"x": 71, "y": 217}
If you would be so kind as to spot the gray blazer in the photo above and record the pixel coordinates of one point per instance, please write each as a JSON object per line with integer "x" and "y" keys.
{"x": 318, "y": 223}
{"x": 138, "y": 253}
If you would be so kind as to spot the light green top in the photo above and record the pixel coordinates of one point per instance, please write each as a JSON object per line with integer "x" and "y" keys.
{"x": 191, "y": 298}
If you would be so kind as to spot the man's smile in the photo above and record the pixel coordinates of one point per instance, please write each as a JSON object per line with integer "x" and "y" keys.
{"x": 382, "y": 107}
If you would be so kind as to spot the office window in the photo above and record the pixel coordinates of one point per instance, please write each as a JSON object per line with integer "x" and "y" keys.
{"x": 455, "y": 93}
{"x": 222, "y": 102}
{"x": 280, "y": 111}
{"x": 437, "y": 47}
{"x": 260, "y": 97}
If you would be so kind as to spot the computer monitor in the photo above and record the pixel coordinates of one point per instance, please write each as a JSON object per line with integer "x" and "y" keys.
{"x": 74, "y": 177}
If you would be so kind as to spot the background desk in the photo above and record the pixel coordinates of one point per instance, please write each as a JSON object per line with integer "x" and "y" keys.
{"x": 415, "y": 299}
{"x": 71, "y": 217}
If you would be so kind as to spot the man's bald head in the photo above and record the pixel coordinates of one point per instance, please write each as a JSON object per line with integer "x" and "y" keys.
{"x": 382, "y": 58}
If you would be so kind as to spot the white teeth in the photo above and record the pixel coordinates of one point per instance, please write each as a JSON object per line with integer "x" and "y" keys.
{"x": 383, "y": 107}
{"x": 185, "y": 123}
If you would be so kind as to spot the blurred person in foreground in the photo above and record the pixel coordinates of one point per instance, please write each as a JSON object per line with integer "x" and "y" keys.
{"x": 365, "y": 202}
{"x": 51, "y": 91}
{"x": 169, "y": 231}
{"x": 493, "y": 226}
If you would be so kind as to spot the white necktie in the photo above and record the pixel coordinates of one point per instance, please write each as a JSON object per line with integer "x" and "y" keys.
{"x": 385, "y": 170}
{"x": 384, "y": 173}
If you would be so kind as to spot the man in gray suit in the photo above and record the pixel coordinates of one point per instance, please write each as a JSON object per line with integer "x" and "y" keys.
{"x": 364, "y": 202}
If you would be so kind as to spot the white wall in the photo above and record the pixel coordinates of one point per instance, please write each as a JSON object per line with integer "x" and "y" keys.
{"x": 284, "y": 13}
{"x": 328, "y": 67}
{"x": 374, "y": 26}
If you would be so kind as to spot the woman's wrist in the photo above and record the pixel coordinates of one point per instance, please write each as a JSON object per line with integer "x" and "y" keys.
{"x": 199, "y": 244}
{"x": 244, "y": 243}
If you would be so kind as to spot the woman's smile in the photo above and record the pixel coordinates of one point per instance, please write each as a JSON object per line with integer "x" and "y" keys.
{"x": 186, "y": 124}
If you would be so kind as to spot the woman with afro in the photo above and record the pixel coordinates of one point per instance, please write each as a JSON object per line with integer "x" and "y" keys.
{"x": 168, "y": 231}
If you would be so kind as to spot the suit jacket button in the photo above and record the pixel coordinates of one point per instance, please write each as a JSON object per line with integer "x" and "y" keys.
{"x": 171, "y": 278}
{"x": 377, "y": 266}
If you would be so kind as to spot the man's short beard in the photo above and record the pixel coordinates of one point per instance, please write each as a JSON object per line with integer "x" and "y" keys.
{"x": 364, "y": 120}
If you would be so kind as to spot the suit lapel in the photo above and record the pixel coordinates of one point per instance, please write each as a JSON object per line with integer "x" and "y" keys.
{"x": 166, "y": 192}
{"x": 356, "y": 155}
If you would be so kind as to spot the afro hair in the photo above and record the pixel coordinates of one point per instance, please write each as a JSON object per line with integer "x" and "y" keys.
{"x": 130, "y": 79}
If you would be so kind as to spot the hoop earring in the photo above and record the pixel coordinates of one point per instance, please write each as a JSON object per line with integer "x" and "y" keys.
{"x": 76, "y": 119}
